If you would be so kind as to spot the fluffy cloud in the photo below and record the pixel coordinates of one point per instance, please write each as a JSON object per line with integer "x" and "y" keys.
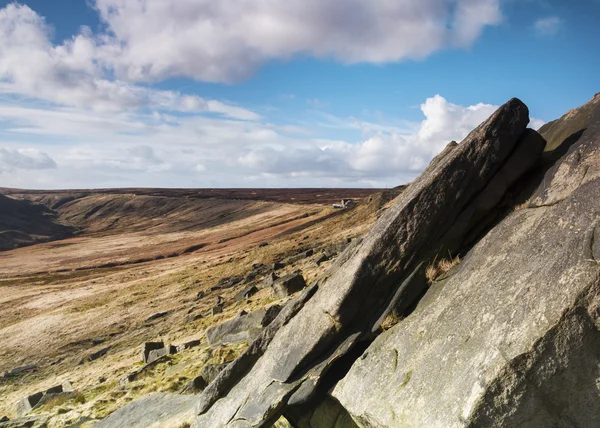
{"x": 160, "y": 150}
{"x": 27, "y": 159}
{"x": 74, "y": 73}
{"x": 384, "y": 153}
{"x": 547, "y": 26}
{"x": 225, "y": 41}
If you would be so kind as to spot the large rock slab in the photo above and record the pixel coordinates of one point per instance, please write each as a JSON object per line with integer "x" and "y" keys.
{"x": 156, "y": 410}
{"x": 367, "y": 280}
{"x": 512, "y": 338}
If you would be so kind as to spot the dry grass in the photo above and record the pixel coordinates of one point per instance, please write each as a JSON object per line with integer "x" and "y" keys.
{"x": 522, "y": 206}
{"x": 434, "y": 271}
{"x": 390, "y": 320}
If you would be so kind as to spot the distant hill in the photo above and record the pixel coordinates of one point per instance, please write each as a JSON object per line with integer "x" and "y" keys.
{"x": 23, "y": 222}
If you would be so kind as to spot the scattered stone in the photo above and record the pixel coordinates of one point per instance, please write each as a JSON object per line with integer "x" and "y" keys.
{"x": 270, "y": 279}
{"x": 245, "y": 294}
{"x": 157, "y": 316}
{"x": 219, "y": 300}
{"x": 133, "y": 375}
{"x": 200, "y": 295}
{"x": 228, "y": 282}
{"x": 54, "y": 390}
{"x": 192, "y": 318}
{"x": 27, "y": 404}
{"x": 95, "y": 355}
{"x": 308, "y": 253}
{"x": 277, "y": 266}
{"x": 195, "y": 386}
{"x": 217, "y": 310}
{"x": 188, "y": 345}
{"x": 155, "y": 354}
{"x": 150, "y": 346}
{"x": 4, "y": 419}
{"x": 263, "y": 244}
{"x": 250, "y": 277}
{"x": 321, "y": 258}
{"x": 19, "y": 370}
{"x": 31, "y": 421}
{"x": 101, "y": 379}
{"x": 288, "y": 285}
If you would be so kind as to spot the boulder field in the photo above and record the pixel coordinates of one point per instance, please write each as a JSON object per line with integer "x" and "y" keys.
{"x": 507, "y": 337}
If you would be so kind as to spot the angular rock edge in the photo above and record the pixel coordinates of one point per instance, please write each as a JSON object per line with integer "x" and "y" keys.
{"x": 382, "y": 273}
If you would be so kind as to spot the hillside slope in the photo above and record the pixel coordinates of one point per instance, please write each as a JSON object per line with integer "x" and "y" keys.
{"x": 23, "y": 222}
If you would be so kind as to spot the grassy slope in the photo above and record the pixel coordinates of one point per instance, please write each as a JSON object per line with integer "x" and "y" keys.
{"x": 52, "y": 316}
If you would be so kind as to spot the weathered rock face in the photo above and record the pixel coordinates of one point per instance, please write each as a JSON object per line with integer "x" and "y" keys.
{"x": 153, "y": 411}
{"x": 374, "y": 276}
{"x": 512, "y": 338}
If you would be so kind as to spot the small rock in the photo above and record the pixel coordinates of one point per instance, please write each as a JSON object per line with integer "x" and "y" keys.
{"x": 270, "y": 315}
{"x": 321, "y": 258}
{"x": 150, "y": 346}
{"x": 54, "y": 390}
{"x": 219, "y": 300}
{"x": 95, "y": 355}
{"x": 188, "y": 345}
{"x": 217, "y": 310}
{"x": 277, "y": 266}
{"x": 192, "y": 318}
{"x": 263, "y": 244}
{"x": 195, "y": 386}
{"x": 250, "y": 277}
{"x": 155, "y": 354}
{"x": 19, "y": 370}
{"x": 101, "y": 379}
{"x": 308, "y": 253}
{"x": 157, "y": 316}
{"x": 28, "y": 403}
{"x": 200, "y": 295}
{"x": 288, "y": 285}
{"x": 246, "y": 294}
{"x": 270, "y": 279}
{"x": 4, "y": 419}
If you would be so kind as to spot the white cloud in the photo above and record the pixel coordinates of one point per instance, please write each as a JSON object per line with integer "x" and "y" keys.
{"x": 74, "y": 74}
{"x": 225, "y": 41}
{"x": 145, "y": 149}
{"x": 24, "y": 159}
{"x": 547, "y": 26}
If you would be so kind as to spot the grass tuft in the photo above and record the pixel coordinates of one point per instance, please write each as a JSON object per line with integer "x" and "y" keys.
{"x": 434, "y": 271}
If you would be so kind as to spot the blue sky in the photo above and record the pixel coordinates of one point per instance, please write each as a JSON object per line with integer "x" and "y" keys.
{"x": 319, "y": 93}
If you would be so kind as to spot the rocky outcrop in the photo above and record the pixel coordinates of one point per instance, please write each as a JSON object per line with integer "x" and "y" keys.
{"x": 382, "y": 273}
{"x": 512, "y": 338}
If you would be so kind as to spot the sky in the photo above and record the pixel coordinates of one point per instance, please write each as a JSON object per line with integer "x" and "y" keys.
{"x": 273, "y": 93}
